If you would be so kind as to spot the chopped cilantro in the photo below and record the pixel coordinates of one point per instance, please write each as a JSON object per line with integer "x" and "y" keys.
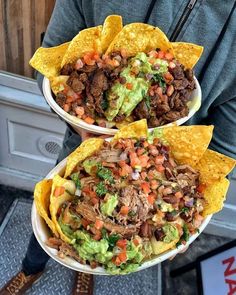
{"x": 159, "y": 79}
{"x": 185, "y": 235}
{"x": 185, "y": 210}
{"x": 112, "y": 239}
{"x": 147, "y": 101}
{"x": 104, "y": 103}
{"x": 101, "y": 189}
{"x": 131, "y": 213}
{"x": 105, "y": 173}
{"x": 75, "y": 178}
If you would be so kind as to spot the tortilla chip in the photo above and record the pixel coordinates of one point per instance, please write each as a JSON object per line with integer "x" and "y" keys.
{"x": 136, "y": 130}
{"x": 42, "y": 200}
{"x": 188, "y": 143}
{"x": 88, "y": 40}
{"x": 56, "y": 202}
{"x": 139, "y": 37}
{"x": 111, "y": 27}
{"x": 187, "y": 53}
{"x": 58, "y": 83}
{"x": 214, "y": 166}
{"x": 159, "y": 247}
{"x": 48, "y": 60}
{"x": 125, "y": 122}
{"x": 86, "y": 149}
{"x": 215, "y": 195}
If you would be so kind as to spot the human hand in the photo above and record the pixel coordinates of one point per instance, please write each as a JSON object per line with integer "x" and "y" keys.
{"x": 86, "y": 135}
{"x": 181, "y": 252}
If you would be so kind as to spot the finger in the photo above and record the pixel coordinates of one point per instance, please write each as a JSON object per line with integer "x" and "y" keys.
{"x": 181, "y": 252}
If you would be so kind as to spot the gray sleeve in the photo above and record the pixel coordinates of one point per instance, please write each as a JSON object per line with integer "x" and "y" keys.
{"x": 66, "y": 21}
{"x": 223, "y": 118}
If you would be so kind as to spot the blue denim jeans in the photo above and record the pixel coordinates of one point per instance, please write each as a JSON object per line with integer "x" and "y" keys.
{"x": 36, "y": 259}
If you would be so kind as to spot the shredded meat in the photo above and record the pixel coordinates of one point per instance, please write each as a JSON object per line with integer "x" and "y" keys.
{"x": 110, "y": 155}
{"x": 88, "y": 213}
{"x": 68, "y": 250}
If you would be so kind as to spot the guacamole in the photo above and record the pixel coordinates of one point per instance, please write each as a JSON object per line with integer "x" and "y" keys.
{"x": 123, "y": 98}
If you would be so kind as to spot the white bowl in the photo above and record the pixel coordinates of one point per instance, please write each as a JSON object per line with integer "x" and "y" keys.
{"x": 78, "y": 124}
{"x": 42, "y": 233}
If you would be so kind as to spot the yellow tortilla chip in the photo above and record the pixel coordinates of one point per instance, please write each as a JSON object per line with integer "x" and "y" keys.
{"x": 86, "y": 149}
{"x": 88, "y": 40}
{"x": 214, "y": 166}
{"x": 215, "y": 195}
{"x": 136, "y": 129}
{"x": 56, "y": 202}
{"x": 58, "y": 83}
{"x": 159, "y": 247}
{"x": 111, "y": 27}
{"x": 139, "y": 37}
{"x": 187, "y": 53}
{"x": 188, "y": 143}
{"x": 48, "y": 60}
{"x": 42, "y": 200}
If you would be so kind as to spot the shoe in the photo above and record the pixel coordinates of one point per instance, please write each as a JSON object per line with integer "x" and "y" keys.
{"x": 83, "y": 284}
{"x": 19, "y": 284}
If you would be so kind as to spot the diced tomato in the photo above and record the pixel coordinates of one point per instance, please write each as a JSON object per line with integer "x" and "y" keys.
{"x": 140, "y": 151}
{"x": 122, "y": 256}
{"x": 136, "y": 242}
{"x": 121, "y": 243}
{"x": 85, "y": 222}
{"x": 96, "y": 56}
{"x": 122, "y": 163}
{"x": 179, "y": 195}
{"x": 152, "y": 60}
{"x": 125, "y": 170}
{"x": 145, "y": 187}
{"x": 134, "y": 160}
{"x": 159, "y": 91}
{"x": 201, "y": 188}
{"x": 66, "y": 107}
{"x": 88, "y": 59}
{"x": 153, "y": 53}
{"x": 79, "y": 111}
{"x": 143, "y": 175}
{"x": 124, "y": 210}
{"x": 168, "y": 77}
{"x": 160, "y": 168}
{"x": 159, "y": 160}
{"x": 97, "y": 236}
{"x": 129, "y": 86}
{"x": 154, "y": 184}
{"x": 59, "y": 190}
{"x": 144, "y": 160}
{"x": 155, "y": 141}
{"x": 153, "y": 150}
{"x": 92, "y": 194}
{"x": 161, "y": 54}
{"x": 116, "y": 260}
{"x": 98, "y": 224}
{"x": 151, "y": 198}
{"x": 169, "y": 56}
{"x": 89, "y": 120}
{"x": 94, "y": 201}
